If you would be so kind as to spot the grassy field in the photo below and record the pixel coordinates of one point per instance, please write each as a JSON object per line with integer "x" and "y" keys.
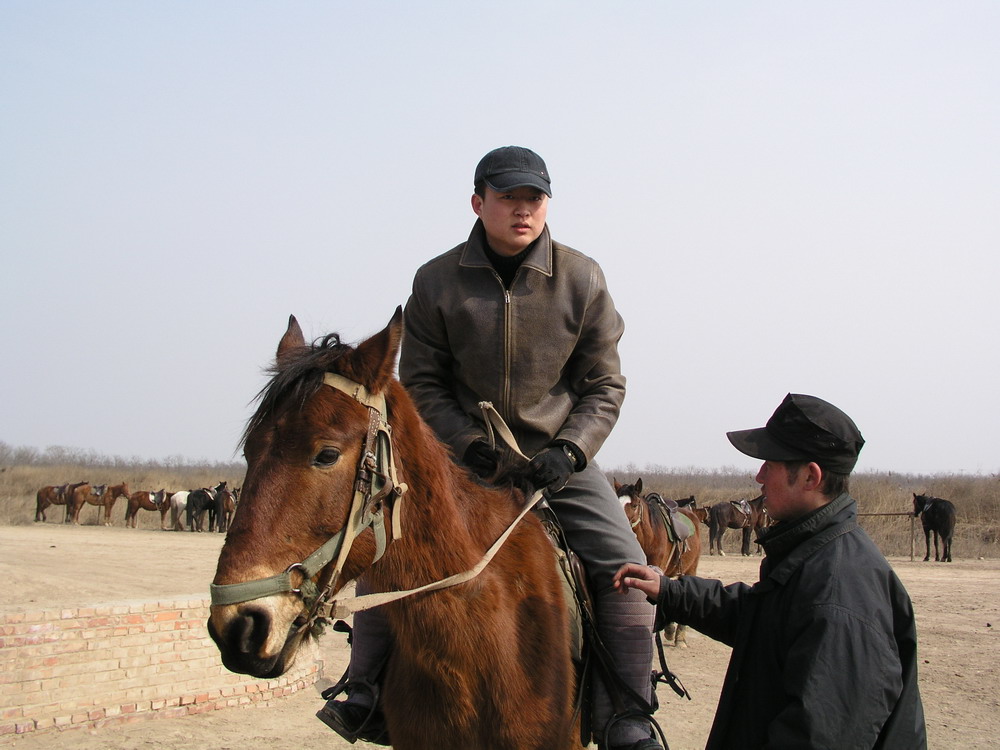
{"x": 976, "y": 497}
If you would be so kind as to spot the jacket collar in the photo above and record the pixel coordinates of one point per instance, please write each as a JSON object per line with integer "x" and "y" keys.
{"x": 789, "y": 543}
{"x": 539, "y": 256}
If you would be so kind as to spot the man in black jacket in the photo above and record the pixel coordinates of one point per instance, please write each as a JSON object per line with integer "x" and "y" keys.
{"x": 824, "y": 644}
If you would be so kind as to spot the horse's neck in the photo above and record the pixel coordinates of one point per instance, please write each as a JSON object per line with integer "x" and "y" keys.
{"x": 448, "y": 524}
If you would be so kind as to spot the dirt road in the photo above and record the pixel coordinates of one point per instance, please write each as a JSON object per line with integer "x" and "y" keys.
{"x": 50, "y": 565}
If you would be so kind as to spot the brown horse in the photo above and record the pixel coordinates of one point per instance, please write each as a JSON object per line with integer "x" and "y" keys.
{"x": 728, "y": 515}
{"x": 143, "y": 500}
{"x": 227, "y": 508}
{"x": 70, "y": 496}
{"x": 48, "y": 496}
{"x": 650, "y": 522}
{"x": 103, "y": 496}
{"x": 482, "y": 664}
{"x": 79, "y": 495}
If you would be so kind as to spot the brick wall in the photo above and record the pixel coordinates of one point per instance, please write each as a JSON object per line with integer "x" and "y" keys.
{"x": 120, "y": 663}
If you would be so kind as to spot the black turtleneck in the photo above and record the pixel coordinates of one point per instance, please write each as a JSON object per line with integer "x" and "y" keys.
{"x": 505, "y": 265}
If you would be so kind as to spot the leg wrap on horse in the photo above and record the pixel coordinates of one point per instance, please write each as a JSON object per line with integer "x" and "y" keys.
{"x": 624, "y": 622}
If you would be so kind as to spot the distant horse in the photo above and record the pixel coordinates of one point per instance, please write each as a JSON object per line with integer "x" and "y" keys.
{"x": 178, "y": 508}
{"x": 659, "y": 533}
{"x": 484, "y": 664}
{"x": 218, "y": 517}
{"x": 70, "y": 495}
{"x": 729, "y": 515}
{"x": 226, "y": 504}
{"x": 936, "y": 515}
{"x": 102, "y": 495}
{"x": 110, "y": 497}
{"x": 143, "y": 500}
{"x": 48, "y": 496}
{"x": 78, "y": 496}
{"x": 200, "y": 502}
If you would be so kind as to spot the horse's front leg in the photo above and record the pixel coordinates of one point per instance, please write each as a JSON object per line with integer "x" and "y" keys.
{"x": 927, "y": 544}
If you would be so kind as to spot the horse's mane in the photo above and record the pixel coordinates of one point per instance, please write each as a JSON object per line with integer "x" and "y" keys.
{"x": 295, "y": 376}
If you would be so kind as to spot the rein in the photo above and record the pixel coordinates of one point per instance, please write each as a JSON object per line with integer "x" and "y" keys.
{"x": 350, "y": 605}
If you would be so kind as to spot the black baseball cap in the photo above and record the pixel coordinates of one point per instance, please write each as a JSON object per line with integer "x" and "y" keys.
{"x": 510, "y": 167}
{"x": 804, "y": 428}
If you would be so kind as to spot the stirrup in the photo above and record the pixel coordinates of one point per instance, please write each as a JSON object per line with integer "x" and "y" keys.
{"x": 655, "y": 732}
{"x": 371, "y": 727}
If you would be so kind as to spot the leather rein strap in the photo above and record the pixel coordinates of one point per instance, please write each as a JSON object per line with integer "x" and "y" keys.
{"x": 341, "y": 608}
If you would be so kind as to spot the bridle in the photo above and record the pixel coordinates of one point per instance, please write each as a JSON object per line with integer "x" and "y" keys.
{"x": 638, "y": 513}
{"x": 376, "y": 488}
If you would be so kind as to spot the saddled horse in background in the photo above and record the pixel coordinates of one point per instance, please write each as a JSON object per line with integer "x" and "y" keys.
{"x": 110, "y": 497}
{"x": 178, "y": 508}
{"x": 486, "y": 663}
{"x": 729, "y": 515}
{"x": 103, "y": 496}
{"x": 143, "y": 500}
{"x": 937, "y": 516}
{"x": 225, "y": 502}
{"x": 671, "y": 539}
{"x": 48, "y": 496}
{"x": 70, "y": 496}
{"x": 200, "y": 502}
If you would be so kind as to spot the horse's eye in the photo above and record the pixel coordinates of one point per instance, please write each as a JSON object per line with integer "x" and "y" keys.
{"x": 326, "y": 457}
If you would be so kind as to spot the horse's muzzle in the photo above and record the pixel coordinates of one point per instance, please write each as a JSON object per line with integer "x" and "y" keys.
{"x": 242, "y": 641}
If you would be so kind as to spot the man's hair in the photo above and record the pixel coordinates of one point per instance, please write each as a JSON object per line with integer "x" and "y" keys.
{"x": 833, "y": 485}
{"x": 480, "y": 189}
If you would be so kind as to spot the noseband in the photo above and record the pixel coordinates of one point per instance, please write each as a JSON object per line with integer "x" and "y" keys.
{"x": 375, "y": 487}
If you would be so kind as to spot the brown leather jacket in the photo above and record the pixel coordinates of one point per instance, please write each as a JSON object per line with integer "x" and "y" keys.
{"x": 545, "y": 352}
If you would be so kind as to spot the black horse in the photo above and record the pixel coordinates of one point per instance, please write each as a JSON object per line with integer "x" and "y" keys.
{"x": 211, "y": 500}
{"x": 936, "y": 515}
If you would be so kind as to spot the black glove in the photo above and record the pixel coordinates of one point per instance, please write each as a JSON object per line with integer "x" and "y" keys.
{"x": 481, "y": 459}
{"x": 551, "y": 469}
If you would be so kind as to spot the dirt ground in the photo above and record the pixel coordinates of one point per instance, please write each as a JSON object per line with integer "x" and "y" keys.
{"x": 49, "y": 564}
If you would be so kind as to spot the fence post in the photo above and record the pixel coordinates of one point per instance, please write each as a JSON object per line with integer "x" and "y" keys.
{"x": 912, "y": 532}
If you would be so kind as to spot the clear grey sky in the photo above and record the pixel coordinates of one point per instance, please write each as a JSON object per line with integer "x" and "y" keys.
{"x": 785, "y": 196}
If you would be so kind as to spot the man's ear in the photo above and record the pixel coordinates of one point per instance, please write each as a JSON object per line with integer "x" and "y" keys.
{"x": 477, "y": 204}
{"x": 814, "y": 476}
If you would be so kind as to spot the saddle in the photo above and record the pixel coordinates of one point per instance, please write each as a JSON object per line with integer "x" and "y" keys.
{"x": 743, "y": 506}
{"x": 680, "y": 528}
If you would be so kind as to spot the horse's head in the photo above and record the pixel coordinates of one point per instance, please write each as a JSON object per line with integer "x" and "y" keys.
{"x": 920, "y": 503}
{"x": 303, "y": 448}
{"x": 631, "y": 499}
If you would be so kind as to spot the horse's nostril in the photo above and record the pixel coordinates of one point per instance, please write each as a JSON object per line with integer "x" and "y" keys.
{"x": 248, "y": 631}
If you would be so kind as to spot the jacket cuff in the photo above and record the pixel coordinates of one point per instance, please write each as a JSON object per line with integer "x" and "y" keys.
{"x": 574, "y": 454}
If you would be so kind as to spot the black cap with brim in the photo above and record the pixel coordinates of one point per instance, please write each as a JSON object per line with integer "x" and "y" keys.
{"x": 507, "y": 181}
{"x": 509, "y": 167}
{"x": 804, "y": 428}
{"x": 758, "y": 443}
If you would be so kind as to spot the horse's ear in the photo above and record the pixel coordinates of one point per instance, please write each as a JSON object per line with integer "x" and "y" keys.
{"x": 375, "y": 358}
{"x": 618, "y": 485}
{"x": 638, "y": 486}
{"x": 293, "y": 338}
